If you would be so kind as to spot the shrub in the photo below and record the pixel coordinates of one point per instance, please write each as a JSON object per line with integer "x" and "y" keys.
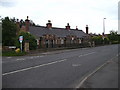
{"x": 27, "y": 37}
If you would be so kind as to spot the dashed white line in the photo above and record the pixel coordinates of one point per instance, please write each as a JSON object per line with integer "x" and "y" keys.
{"x": 76, "y": 65}
{"x": 9, "y": 57}
{"x": 20, "y": 59}
{"x": 40, "y": 65}
{"x": 33, "y": 67}
{"x": 41, "y": 56}
{"x": 87, "y": 54}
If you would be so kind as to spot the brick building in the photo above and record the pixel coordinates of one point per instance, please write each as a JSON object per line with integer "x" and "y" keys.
{"x": 52, "y": 37}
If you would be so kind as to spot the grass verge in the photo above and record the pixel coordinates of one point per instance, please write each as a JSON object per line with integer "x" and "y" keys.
{"x": 13, "y": 53}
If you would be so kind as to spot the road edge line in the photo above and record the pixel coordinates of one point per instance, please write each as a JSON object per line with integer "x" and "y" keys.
{"x": 98, "y": 68}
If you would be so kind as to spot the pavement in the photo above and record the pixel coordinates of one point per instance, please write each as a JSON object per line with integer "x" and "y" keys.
{"x": 104, "y": 77}
{"x": 75, "y": 68}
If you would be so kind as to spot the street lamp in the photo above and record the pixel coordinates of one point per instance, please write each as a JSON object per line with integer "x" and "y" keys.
{"x": 104, "y": 26}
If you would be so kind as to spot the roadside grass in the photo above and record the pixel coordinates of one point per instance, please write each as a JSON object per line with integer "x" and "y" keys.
{"x": 13, "y": 53}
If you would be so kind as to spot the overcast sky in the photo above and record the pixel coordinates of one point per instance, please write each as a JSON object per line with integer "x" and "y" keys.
{"x": 75, "y": 12}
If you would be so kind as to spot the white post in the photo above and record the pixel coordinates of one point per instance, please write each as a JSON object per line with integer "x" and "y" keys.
{"x": 21, "y": 46}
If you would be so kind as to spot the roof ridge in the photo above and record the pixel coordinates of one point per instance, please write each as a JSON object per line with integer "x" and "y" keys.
{"x": 57, "y": 28}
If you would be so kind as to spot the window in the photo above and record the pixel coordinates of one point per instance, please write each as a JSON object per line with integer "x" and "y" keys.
{"x": 79, "y": 41}
{"x": 62, "y": 41}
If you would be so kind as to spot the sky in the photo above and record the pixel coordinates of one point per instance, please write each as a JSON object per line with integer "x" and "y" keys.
{"x": 75, "y": 12}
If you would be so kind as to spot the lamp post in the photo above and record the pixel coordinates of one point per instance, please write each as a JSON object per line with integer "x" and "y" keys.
{"x": 104, "y": 26}
{"x": 103, "y": 30}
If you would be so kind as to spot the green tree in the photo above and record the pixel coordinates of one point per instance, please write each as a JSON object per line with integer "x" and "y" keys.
{"x": 9, "y": 29}
{"x": 114, "y": 37}
{"x": 27, "y": 37}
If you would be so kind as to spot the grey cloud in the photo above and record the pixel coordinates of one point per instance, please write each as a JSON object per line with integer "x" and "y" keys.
{"x": 7, "y": 3}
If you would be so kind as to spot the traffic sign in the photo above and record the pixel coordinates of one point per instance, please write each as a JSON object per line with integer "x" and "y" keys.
{"x": 21, "y": 39}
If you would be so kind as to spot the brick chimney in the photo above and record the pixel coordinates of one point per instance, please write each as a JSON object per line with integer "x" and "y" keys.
{"x": 68, "y": 26}
{"x": 49, "y": 24}
{"x": 27, "y": 24}
{"x": 76, "y": 28}
{"x": 87, "y": 29}
{"x": 18, "y": 24}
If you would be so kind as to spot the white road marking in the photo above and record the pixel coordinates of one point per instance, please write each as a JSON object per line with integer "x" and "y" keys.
{"x": 20, "y": 59}
{"x": 84, "y": 78}
{"x": 41, "y": 56}
{"x": 9, "y": 57}
{"x": 34, "y": 57}
{"x": 76, "y": 65}
{"x": 41, "y": 64}
{"x": 87, "y": 54}
{"x": 37, "y": 56}
{"x": 45, "y": 53}
{"x": 34, "y": 67}
{"x": 80, "y": 55}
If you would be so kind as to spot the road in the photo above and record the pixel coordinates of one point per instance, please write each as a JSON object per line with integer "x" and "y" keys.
{"x": 65, "y": 69}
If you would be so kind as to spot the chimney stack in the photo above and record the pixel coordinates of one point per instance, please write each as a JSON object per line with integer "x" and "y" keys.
{"x": 76, "y": 28}
{"x": 18, "y": 23}
{"x": 87, "y": 29}
{"x": 27, "y": 24}
{"x": 68, "y": 26}
{"x": 49, "y": 24}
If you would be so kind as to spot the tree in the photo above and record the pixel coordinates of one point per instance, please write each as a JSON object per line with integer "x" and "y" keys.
{"x": 27, "y": 37}
{"x": 9, "y": 29}
{"x": 114, "y": 37}
{"x": 98, "y": 40}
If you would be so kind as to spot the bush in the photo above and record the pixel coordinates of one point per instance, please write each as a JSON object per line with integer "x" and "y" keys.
{"x": 27, "y": 37}
{"x": 115, "y": 42}
{"x": 106, "y": 40}
{"x": 98, "y": 40}
{"x": 114, "y": 37}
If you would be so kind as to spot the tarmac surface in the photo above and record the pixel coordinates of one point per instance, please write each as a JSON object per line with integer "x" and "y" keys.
{"x": 95, "y": 67}
{"x": 106, "y": 77}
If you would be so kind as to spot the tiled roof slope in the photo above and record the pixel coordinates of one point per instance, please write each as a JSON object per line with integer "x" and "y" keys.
{"x": 59, "y": 32}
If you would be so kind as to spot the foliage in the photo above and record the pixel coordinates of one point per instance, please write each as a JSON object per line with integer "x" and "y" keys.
{"x": 98, "y": 40}
{"x": 114, "y": 37}
{"x": 9, "y": 29}
{"x": 27, "y": 37}
{"x": 106, "y": 40}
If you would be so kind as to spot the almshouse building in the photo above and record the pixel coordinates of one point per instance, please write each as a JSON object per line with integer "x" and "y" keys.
{"x": 52, "y": 37}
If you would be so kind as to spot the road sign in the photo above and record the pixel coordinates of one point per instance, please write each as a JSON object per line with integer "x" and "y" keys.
{"x": 21, "y": 39}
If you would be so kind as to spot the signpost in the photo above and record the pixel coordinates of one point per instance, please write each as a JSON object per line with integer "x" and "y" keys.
{"x": 21, "y": 39}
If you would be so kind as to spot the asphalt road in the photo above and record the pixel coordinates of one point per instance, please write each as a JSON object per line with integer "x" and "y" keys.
{"x": 106, "y": 77}
{"x": 65, "y": 69}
